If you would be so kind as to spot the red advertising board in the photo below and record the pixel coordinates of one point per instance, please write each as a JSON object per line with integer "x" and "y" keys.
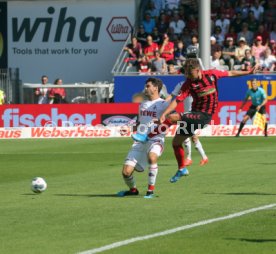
{"x": 69, "y": 115}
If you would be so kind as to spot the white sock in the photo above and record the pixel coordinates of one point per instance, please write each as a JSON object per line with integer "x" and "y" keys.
{"x": 200, "y": 149}
{"x": 130, "y": 181}
{"x": 188, "y": 147}
{"x": 153, "y": 171}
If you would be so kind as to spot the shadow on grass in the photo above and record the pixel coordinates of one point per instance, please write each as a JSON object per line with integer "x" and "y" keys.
{"x": 88, "y": 195}
{"x": 242, "y": 193}
{"x": 252, "y": 240}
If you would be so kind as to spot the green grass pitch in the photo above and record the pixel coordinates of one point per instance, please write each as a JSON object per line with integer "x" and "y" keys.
{"x": 80, "y": 211}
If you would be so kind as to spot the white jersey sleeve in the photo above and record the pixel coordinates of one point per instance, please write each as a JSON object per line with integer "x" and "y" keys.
{"x": 177, "y": 88}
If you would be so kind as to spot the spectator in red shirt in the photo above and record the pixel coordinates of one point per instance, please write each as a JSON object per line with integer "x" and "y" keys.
{"x": 144, "y": 65}
{"x": 57, "y": 95}
{"x": 150, "y": 48}
{"x": 264, "y": 34}
{"x": 167, "y": 50}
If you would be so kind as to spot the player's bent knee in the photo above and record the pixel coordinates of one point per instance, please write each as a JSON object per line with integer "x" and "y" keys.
{"x": 127, "y": 171}
{"x": 195, "y": 138}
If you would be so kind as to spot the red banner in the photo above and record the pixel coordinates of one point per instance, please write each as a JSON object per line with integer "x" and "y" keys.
{"x": 69, "y": 115}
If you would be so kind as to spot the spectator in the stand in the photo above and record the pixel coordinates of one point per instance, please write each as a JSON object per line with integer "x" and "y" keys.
{"x": 159, "y": 5}
{"x": 156, "y": 36}
{"x": 272, "y": 46}
{"x": 159, "y": 65}
{"x": 248, "y": 62}
{"x": 245, "y": 33}
{"x": 252, "y": 22}
{"x": 237, "y": 22}
{"x": 57, "y": 95}
{"x": 142, "y": 36}
{"x": 240, "y": 50}
{"x": 177, "y": 24}
{"x": 219, "y": 35}
{"x": 272, "y": 35}
{"x": 214, "y": 46}
{"x": 258, "y": 49}
{"x": 186, "y": 37}
{"x": 232, "y": 34}
{"x": 2, "y": 97}
{"x": 42, "y": 93}
{"x": 269, "y": 16}
{"x": 180, "y": 53}
{"x": 172, "y": 70}
{"x": 228, "y": 10}
{"x": 162, "y": 23}
{"x": 192, "y": 23}
{"x": 93, "y": 98}
{"x": 167, "y": 50}
{"x": 194, "y": 43}
{"x": 150, "y": 48}
{"x": 173, "y": 37}
{"x": 268, "y": 61}
{"x": 215, "y": 62}
{"x": 243, "y": 8}
{"x": 258, "y": 10}
{"x": 171, "y": 4}
{"x": 223, "y": 23}
{"x": 228, "y": 53}
{"x": 134, "y": 50}
{"x": 153, "y": 12}
{"x": 144, "y": 65}
{"x": 148, "y": 23}
{"x": 264, "y": 34}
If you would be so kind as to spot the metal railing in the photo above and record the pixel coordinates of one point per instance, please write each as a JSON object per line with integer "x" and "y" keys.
{"x": 75, "y": 93}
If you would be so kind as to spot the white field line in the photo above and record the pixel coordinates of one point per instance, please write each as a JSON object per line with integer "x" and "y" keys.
{"x": 174, "y": 230}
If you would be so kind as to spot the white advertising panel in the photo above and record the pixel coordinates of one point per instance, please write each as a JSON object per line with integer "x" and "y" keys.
{"x": 77, "y": 41}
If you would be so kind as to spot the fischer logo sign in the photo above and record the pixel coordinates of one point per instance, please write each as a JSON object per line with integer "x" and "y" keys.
{"x": 12, "y": 117}
{"x": 119, "y": 28}
{"x": 228, "y": 114}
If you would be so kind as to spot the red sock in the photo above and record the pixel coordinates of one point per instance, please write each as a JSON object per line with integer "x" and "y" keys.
{"x": 179, "y": 155}
{"x": 160, "y": 128}
{"x": 151, "y": 187}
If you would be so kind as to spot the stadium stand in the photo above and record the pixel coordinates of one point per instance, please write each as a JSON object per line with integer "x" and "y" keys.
{"x": 251, "y": 20}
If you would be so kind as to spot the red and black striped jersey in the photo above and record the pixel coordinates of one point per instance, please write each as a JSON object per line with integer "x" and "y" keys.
{"x": 203, "y": 91}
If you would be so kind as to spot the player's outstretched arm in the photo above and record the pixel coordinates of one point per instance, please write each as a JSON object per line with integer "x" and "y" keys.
{"x": 168, "y": 110}
{"x": 242, "y": 73}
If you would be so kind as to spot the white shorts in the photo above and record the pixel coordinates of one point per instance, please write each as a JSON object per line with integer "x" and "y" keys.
{"x": 138, "y": 155}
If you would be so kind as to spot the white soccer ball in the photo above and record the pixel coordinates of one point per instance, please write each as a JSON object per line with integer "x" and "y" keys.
{"x": 38, "y": 185}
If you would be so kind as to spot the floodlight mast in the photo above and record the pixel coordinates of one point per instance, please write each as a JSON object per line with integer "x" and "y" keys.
{"x": 205, "y": 32}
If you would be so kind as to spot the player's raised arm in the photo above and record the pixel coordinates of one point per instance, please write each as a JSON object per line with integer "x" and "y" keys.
{"x": 242, "y": 73}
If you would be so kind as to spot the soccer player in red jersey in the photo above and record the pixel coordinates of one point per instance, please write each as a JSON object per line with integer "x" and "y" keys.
{"x": 202, "y": 86}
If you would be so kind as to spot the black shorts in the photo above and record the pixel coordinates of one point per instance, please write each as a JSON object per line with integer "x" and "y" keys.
{"x": 191, "y": 121}
{"x": 252, "y": 111}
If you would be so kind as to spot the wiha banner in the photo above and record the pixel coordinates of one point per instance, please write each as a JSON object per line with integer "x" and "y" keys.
{"x": 77, "y": 41}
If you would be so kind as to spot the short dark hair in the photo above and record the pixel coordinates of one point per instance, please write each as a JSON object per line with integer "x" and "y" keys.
{"x": 156, "y": 82}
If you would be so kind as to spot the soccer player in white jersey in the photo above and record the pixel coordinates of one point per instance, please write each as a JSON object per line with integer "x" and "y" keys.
{"x": 143, "y": 155}
{"x": 187, "y": 142}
